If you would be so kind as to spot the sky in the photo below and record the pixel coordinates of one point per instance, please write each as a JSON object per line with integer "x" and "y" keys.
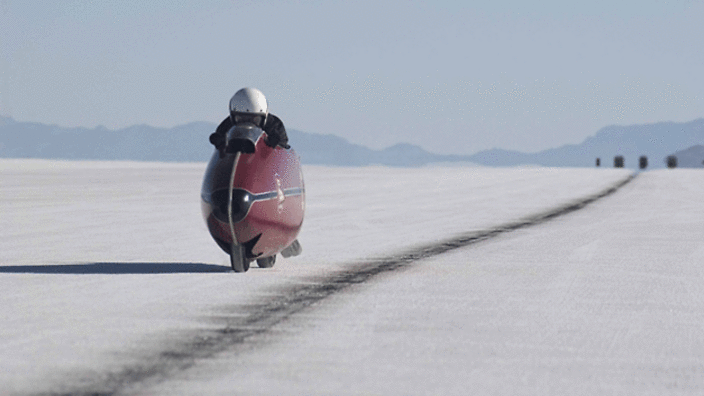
{"x": 451, "y": 76}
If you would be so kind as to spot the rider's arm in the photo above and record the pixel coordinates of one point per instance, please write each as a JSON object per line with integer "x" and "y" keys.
{"x": 218, "y": 138}
{"x": 276, "y": 132}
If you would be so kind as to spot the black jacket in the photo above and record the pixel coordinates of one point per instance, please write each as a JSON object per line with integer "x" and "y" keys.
{"x": 273, "y": 127}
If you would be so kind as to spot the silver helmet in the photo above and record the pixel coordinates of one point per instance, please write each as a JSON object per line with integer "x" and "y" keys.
{"x": 249, "y": 105}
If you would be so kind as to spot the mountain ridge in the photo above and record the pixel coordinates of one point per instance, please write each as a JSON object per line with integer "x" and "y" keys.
{"x": 656, "y": 141}
{"x": 189, "y": 143}
{"x": 185, "y": 143}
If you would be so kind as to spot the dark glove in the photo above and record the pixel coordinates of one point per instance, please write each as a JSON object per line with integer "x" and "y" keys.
{"x": 273, "y": 141}
{"x": 276, "y": 132}
{"x": 217, "y": 140}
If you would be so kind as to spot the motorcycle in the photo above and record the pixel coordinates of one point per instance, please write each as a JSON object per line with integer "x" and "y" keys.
{"x": 253, "y": 199}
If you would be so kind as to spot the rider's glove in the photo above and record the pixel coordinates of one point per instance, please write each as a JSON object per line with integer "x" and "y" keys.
{"x": 217, "y": 140}
{"x": 273, "y": 141}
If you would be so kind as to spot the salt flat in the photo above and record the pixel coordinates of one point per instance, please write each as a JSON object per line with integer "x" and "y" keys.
{"x": 607, "y": 300}
{"x": 101, "y": 262}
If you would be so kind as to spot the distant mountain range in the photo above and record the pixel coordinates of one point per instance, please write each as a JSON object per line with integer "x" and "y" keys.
{"x": 186, "y": 143}
{"x": 190, "y": 143}
{"x": 656, "y": 141}
{"x": 692, "y": 157}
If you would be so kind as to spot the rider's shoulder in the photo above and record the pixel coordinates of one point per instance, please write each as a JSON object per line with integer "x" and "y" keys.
{"x": 272, "y": 120}
{"x": 225, "y": 125}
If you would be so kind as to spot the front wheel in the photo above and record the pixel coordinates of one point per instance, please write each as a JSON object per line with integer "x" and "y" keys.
{"x": 238, "y": 258}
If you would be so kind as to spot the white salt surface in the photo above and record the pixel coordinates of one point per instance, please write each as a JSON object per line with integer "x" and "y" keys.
{"x": 76, "y": 239}
{"x": 608, "y": 300}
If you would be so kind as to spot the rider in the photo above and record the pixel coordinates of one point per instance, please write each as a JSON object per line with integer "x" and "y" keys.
{"x": 248, "y": 105}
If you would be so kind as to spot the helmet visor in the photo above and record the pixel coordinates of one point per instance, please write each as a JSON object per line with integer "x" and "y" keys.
{"x": 240, "y": 118}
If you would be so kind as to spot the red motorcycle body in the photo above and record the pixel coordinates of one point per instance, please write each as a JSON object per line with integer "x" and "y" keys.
{"x": 254, "y": 195}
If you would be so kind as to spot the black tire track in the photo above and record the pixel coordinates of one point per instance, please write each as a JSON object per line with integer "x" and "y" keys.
{"x": 236, "y": 331}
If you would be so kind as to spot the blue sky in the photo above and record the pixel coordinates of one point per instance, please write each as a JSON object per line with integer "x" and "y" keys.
{"x": 451, "y": 76}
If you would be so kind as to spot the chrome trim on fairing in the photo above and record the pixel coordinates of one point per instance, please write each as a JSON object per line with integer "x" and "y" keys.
{"x": 243, "y": 199}
{"x": 292, "y": 192}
